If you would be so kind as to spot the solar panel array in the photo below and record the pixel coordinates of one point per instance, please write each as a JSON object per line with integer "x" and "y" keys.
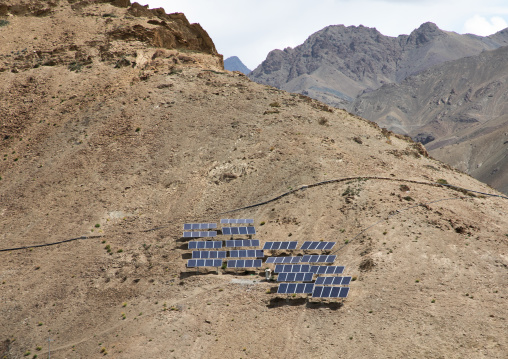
{"x": 333, "y": 280}
{"x": 329, "y": 292}
{"x": 238, "y": 230}
{"x": 204, "y": 263}
{"x": 242, "y": 243}
{"x": 199, "y": 234}
{"x": 295, "y": 277}
{"x": 318, "y": 259}
{"x": 208, "y": 254}
{"x": 295, "y": 288}
{"x": 279, "y": 268}
{"x": 280, "y": 245}
{"x": 247, "y": 253}
{"x": 291, "y": 268}
{"x": 205, "y": 244}
{"x": 244, "y": 263}
{"x": 326, "y": 269}
{"x": 283, "y": 259}
{"x": 302, "y": 259}
{"x": 323, "y": 246}
{"x": 234, "y": 221}
{"x": 191, "y": 226}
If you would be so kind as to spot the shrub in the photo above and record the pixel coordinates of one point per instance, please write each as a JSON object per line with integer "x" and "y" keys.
{"x": 97, "y": 225}
{"x": 4, "y": 23}
{"x": 442, "y": 181}
{"x": 275, "y": 104}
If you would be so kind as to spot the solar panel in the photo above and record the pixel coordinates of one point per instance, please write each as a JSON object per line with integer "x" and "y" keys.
{"x": 279, "y": 268}
{"x": 199, "y": 234}
{"x": 330, "y": 292}
{"x": 284, "y": 259}
{"x": 318, "y": 259}
{"x": 327, "y": 269}
{"x": 204, "y": 263}
{"x": 244, "y": 263}
{"x": 205, "y": 244}
{"x": 295, "y": 277}
{"x": 208, "y": 254}
{"x": 247, "y": 253}
{"x": 233, "y": 221}
{"x": 333, "y": 280}
{"x": 324, "y": 246}
{"x": 238, "y": 230}
{"x": 191, "y": 226}
{"x": 242, "y": 243}
{"x": 280, "y": 245}
{"x": 294, "y": 288}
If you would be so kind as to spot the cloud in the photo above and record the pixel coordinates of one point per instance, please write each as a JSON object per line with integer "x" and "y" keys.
{"x": 480, "y": 25}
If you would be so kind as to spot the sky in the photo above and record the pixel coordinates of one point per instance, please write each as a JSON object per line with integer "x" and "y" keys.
{"x": 250, "y": 29}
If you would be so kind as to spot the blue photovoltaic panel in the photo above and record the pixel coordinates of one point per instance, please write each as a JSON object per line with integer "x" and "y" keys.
{"x": 239, "y": 230}
{"x": 283, "y": 287}
{"x": 318, "y": 259}
{"x": 284, "y": 259}
{"x": 205, "y": 244}
{"x": 294, "y": 288}
{"x": 244, "y": 263}
{"x": 295, "y": 277}
{"x": 309, "y": 245}
{"x": 327, "y": 269}
{"x": 330, "y": 292}
{"x": 280, "y": 268}
{"x": 208, "y": 254}
{"x": 235, "y": 221}
{"x": 204, "y": 263}
{"x": 199, "y": 234}
{"x": 242, "y": 243}
{"x": 333, "y": 280}
{"x": 280, "y": 245}
{"x": 247, "y": 253}
{"x": 191, "y": 226}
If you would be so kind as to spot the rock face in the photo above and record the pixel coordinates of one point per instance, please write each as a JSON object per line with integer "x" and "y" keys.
{"x": 233, "y": 63}
{"x": 112, "y": 23}
{"x": 457, "y": 109}
{"x": 338, "y": 63}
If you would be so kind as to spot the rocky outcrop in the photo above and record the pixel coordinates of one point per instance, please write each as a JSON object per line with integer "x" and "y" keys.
{"x": 116, "y": 34}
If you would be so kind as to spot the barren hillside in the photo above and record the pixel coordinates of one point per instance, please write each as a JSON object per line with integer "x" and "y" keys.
{"x": 120, "y": 148}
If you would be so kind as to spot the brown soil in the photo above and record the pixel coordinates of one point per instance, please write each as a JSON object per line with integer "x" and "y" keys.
{"x": 125, "y": 155}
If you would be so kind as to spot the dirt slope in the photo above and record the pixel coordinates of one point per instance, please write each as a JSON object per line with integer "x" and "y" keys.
{"x": 124, "y": 155}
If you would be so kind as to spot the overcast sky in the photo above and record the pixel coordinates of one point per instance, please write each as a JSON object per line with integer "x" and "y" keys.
{"x": 250, "y": 29}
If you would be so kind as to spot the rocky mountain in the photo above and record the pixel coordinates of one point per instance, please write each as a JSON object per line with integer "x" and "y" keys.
{"x": 119, "y": 124}
{"x": 233, "y": 63}
{"x": 458, "y": 110}
{"x": 338, "y": 63}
